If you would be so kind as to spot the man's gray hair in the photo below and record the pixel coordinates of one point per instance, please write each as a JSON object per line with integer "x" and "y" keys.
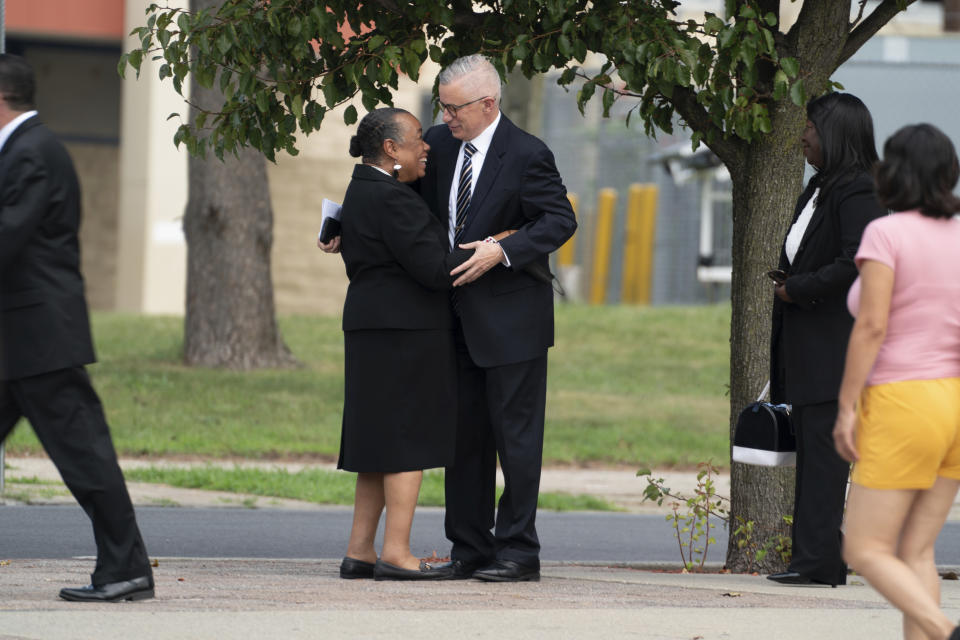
{"x": 486, "y": 79}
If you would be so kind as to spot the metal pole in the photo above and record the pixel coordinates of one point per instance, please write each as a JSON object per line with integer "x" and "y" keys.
{"x": 3, "y": 49}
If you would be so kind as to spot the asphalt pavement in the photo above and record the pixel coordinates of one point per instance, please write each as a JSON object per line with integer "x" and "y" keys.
{"x": 64, "y": 532}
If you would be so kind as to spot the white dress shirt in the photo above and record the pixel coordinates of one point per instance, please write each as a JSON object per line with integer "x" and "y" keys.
{"x": 11, "y": 126}
{"x": 795, "y": 236}
{"x": 482, "y": 143}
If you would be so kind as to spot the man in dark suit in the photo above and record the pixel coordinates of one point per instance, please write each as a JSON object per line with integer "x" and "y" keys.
{"x": 486, "y": 175}
{"x": 45, "y": 337}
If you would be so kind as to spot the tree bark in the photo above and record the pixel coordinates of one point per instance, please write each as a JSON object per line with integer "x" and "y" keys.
{"x": 766, "y": 182}
{"x": 951, "y": 15}
{"x": 230, "y": 319}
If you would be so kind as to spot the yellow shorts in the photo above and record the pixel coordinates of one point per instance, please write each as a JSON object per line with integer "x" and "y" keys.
{"x": 908, "y": 433}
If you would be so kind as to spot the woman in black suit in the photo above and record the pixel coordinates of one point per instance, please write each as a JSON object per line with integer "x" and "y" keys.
{"x": 399, "y": 414}
{"x": 811, "y": 324}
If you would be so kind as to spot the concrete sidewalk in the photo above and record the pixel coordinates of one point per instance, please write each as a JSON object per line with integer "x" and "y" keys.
{"x": 245, "y": 598}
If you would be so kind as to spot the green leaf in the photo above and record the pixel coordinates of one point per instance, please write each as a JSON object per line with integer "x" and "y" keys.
{"x": 375, "y": 43}
{"x": 296, "y": 105}
{"x": 790, "y": 66}
{"x": 294, "y": 27}
{"x": 563, "y": 44}
{"x": 713, "y": 24}
{"x": 350, "y": 115}
{"x": 781, "y": 85}
{"x": 771, "y": 46}
{"x": 609, "y": 97}
{"x": 331, "y": 94}
{"x": 223, "y": 43}
{"x": 798, "y": 94}
{"x": 263, "y": 103}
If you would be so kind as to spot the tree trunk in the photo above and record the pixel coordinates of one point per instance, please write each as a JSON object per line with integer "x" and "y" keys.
{"x": 951, "y": 15}
{"x": 766, "y": 182}
{"x": 230, "y": 319}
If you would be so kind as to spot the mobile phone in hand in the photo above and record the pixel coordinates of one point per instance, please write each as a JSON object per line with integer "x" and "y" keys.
{"x": 777, "y": 275}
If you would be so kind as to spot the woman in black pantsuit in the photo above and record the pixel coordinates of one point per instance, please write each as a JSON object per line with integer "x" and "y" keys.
{"x": 811, "y": 324}
{"x": 399, "y": 413}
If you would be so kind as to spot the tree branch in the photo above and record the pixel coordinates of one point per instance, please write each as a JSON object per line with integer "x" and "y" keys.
{"x": 685, "y": 104}
{"x": 866, "y": 29}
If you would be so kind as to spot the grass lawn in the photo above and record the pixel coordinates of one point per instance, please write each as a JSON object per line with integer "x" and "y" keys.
{"x": 627, "y": 385}
{"x": 325, "y": 487}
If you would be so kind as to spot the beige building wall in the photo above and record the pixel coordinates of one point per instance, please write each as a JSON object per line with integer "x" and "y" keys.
{"x": 97, "y": 171}
{"x": 151, "y": 252}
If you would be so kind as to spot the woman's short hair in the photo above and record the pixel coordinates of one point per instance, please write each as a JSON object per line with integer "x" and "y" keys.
{"x": 919, "y": 171}
{"x": 847, "y": 143}
{"x": 17, "y": 84}
{"x": 376, "y": 126}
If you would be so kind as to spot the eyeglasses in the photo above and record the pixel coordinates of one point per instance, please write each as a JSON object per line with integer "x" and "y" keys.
{"x": 453, "y": 108}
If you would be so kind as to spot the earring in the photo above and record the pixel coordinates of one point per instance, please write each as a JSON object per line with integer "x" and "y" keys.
{"x": 396, "y": 170}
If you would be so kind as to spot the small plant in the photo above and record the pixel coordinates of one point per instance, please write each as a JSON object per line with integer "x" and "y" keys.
{"x": 691, "y": 519}
{"x": 691, "y": 515}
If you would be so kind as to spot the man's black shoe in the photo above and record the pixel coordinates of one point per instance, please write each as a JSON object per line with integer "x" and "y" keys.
{"x": 137, "y": 589}
{"x": 794, "y": 578}
{"x": 507, "y": 571}
{"x": 458, "y": 569}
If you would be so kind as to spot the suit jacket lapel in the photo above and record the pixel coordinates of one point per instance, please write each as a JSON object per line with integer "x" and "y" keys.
{"x": 447, "y": 151}
{"x": 488, "y": 174}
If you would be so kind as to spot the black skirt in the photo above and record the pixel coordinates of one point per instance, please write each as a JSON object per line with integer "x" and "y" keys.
{"x": 400, "y": 400}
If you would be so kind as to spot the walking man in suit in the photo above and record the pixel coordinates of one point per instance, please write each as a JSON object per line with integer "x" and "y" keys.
{"x": 45, "y": 337}
{"x": 485, "y": 175}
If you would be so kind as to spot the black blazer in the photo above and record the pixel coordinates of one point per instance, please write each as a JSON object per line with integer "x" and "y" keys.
{"x": 396, "y": 255}
{"x": 809, "y": 337}
{"x": 507, "y": 314}
{"x": 44, "y": 324}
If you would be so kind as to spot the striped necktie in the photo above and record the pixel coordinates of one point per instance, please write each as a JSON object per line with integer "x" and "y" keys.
{"x": 464, "y": 191}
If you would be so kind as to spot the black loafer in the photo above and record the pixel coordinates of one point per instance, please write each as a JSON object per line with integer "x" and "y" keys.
{"x": 458, "y": 569}
{"x": 794, "y": 578}
{"x": 137, "y": 589}
{"x": 353, "y": 569}
{"x": 386, "y": 571}
{"x": 508, "y": 571}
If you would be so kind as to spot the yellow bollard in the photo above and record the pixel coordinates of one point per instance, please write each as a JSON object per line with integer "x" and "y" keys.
{"x": 565, "y": 254}
{"x": 646, "y": 237}
{"x": 631, "y": 246}
{"x": 603, "y": 235}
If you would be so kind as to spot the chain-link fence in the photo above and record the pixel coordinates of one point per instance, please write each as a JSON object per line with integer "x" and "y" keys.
{"x": 593, "y": 153}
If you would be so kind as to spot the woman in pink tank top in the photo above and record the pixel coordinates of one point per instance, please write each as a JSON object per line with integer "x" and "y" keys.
{"x": 899, "y": 406}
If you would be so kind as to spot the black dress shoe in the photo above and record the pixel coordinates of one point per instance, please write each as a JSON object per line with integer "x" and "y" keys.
{"x": 352, "y": 569}
{"x": 137, "y": 589}
{"x": 386, "y": 571}
{"x": 507, "y": 571}
{"x": 458, "y": 569}
{"x": 792, "y": 577}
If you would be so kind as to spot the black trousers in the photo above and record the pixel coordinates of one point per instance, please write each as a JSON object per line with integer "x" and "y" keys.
{"x": 67, "y": 416}
{"x": 500, "y": 414}
{"x": 820, "y": 493}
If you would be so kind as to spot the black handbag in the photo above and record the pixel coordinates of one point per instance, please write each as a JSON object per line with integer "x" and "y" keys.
{"x": 764, "y": 435}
